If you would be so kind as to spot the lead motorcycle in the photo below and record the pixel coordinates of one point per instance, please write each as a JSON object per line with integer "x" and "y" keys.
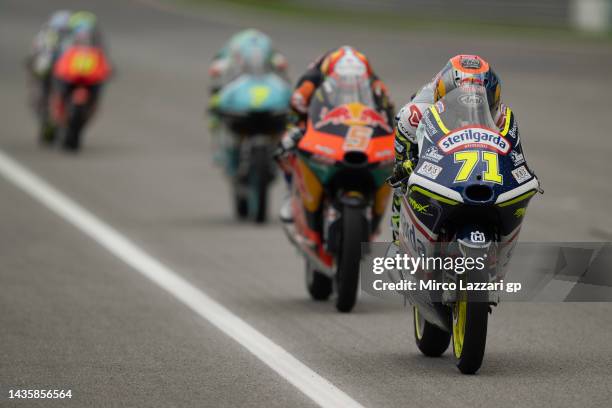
{"x": 339, "y": 193}
{"x": 466, "y": 198}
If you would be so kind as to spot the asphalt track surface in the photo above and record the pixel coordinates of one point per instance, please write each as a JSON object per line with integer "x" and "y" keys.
{"x": 74, "y": 316}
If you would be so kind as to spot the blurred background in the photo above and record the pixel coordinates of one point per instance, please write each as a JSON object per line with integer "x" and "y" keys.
{"x": 72, "y": 314}
{"x": 582, "y": 15}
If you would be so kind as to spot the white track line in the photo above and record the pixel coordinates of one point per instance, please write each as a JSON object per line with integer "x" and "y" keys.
{"x": 317, "y": 388}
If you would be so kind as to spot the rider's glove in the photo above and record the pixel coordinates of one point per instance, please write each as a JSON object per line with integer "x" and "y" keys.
{"x": 288, "y": 142}
{"x": 298, "y": 103}
{"x": 379, "y": 88}
{"x": 400, "y": 175}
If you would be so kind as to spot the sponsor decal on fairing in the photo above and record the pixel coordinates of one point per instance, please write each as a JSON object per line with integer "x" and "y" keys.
{"x": 433, "y": 154}
{"x": 521, "y": 174}
{"x": 431, "y": 129}
{"x": 474, "y": 137}
{"x": 471, "y": 100}
{"x": 430, "y": 170}
{"x": 517, "y": 158}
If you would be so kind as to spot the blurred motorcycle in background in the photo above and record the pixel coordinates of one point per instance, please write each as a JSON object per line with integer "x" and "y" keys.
{"x": 250, "y": 111}
{"x": 339, "y": 194}
{"x": 467, "y": 197}
{"x": 78, "y": 77}
{"x": 68, "y": 67}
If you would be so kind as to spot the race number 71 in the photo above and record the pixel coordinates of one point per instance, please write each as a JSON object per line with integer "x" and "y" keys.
{"x": 470, "y": 158}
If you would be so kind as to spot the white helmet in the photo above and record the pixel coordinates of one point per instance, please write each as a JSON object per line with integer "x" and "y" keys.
{"x": 349, "y": 64}
{"x": 59, "y": 19}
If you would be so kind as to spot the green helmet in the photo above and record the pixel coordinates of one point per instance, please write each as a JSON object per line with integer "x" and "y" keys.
{"x": 82, "y": 19}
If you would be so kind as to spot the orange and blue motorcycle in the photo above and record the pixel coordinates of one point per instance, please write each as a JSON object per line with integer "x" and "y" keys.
{"x": 339, "y": 194}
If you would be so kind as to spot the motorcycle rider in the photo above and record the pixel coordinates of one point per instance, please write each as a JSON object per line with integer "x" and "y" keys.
{"x": 241, "y": 53}
{"x": 87, "y": 21}
{"x": 248, "y": 51}
{"x": 339, "y": 62}
{"x": 459, "y": 70}
{"x": 84, "y": 34}
{"x": 45, "y": 51}
{"x": 51, "y": 41}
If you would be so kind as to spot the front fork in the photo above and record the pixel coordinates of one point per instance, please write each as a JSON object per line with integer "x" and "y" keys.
{"x": 240, "y": 164}
{"x": 476, "y": 242}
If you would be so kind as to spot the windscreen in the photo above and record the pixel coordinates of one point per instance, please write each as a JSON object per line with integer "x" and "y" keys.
{"x": 250, "y": 59}
{"x": 349, "y": 89}
{"x": 466, "y": 106}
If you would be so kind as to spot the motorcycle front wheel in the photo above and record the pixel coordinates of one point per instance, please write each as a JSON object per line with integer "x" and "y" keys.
{"x": 470, "y": 320}
{"x": 347, "y": 276}
{"x": 259, "y": 180}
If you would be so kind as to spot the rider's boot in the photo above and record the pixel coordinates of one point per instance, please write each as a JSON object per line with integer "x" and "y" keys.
{"x": 286, "y": 213}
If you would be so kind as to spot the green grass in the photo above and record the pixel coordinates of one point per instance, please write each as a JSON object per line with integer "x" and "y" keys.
{"x": 387, "y": 21}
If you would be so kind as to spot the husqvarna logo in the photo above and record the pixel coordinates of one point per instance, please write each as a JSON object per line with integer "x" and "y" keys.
{"x": 477, "y": 236}
{"x": 474, "y": 138}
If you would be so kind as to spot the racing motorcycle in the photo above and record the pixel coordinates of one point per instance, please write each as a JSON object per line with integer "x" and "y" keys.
{"x": 78, "y": 76}
{"x": 467, "y": 197}
{"x": 253, "y": 111}
{"x": 339, "y": 193}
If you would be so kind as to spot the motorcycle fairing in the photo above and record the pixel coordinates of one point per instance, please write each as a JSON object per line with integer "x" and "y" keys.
{"x": 498, "y": 176}
{"x": 332, "y": 146}
{"x": 308, "y": 185}
{"x": 345, "y": 150}
{"x": 84, "y": 65}
{"x": 254, "y": 93}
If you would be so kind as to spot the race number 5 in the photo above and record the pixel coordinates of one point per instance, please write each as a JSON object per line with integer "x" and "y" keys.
{"x": 469, "y": 159}
{"x": 358, "y": 138}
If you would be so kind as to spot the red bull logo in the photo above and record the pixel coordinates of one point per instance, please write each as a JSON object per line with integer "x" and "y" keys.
{"x": 353, "y": 114}
{"x": 336, "y": 116}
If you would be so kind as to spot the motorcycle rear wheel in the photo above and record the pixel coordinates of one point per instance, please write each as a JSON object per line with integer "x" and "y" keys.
{"x": 430, "y": 339}
{"x": 241, "y": 206}
{"x": 73, "y": 130}
{"x": 319, "y": 285}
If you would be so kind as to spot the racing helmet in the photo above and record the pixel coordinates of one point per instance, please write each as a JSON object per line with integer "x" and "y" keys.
{"x": 59, "y": 20}
{"x": 346, "y": 61}
{"x": 82, "y": 19}
{"x": 252, "y": 51}
{"x": 468, "y": 69}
